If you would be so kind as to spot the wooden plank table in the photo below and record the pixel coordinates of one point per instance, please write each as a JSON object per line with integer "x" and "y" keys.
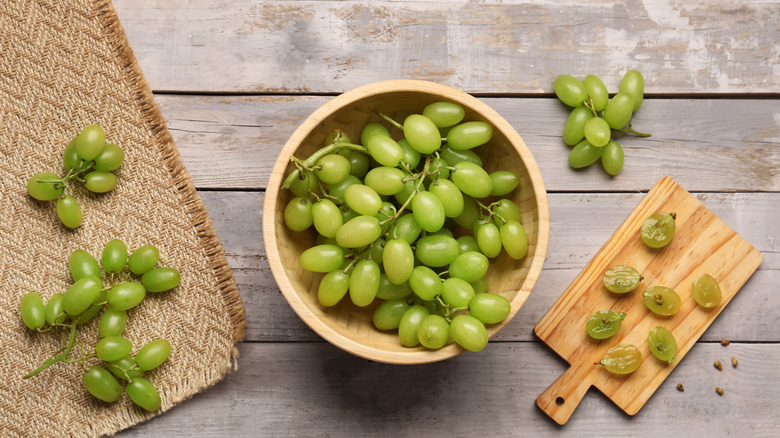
{"x": 235, "y": 78}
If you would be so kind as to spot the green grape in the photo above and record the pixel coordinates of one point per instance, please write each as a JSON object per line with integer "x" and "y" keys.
{"x": 411, "y": 156}
{"x": 705, "y": 291}
{"x": 618, "y": 111}
{"x": 409, "y": 325}
{"x": 114, "y": 256}
{"x": 331, "y": 138}
{"x": 469, "y": 332}
{"x": 385, "y": 180}
{"x": 622, "y": 359}
{"x": 449, "y": 195}
{"x": 504, "y": 181}
{"x": 597, "y": 92}
{"x": 305, "y": 183}
{"x": 69, "y": 212}
{"x": 584, "y": 154}
{"x": 456, "y": 292}
{"x": 469, "y": 266}
{"x": 372, "y": 129}
{"x": 467, "y": 243}
{"x": 422, "y": 134}
{"x": 488, "y": 239}
{"x": 662, "y": 300}
{"x": 384, "y": 150}
{"x": 507, "y": 210}
{"x": 389, "y": 291}
{"x": 143, "y": 259}
{"x": 112, "y": 323}
{"x": 377, "y": 250}
{"x": 514, "y": 239}
{"x": 574, "y": 130}
{"x": 359, "y": 163}
{"x": 489, "y": 308}
{"x": 621, "y": 279}
{"x": 437, "y": 251}
{"x": 347, "y": 214}
{"x": 470, "y": 213}
{"x": 444, "y": 114}
{"x": 469, "y": 135}
{"x": 438, "y": 170}
{"x": 101, "y": 384}
{"x": 406, "y": 228}
{"x": 143, "y": 393}
{"x": 597, "y": 132}
{"x": 338, "y": 189}
{"x": 398, "y": 261}
{"x": 322, "y": 258}
{"x": 604, "y": 324}
{"x": 472, "y": 180}
{"x": 54, "y": 312}
{"x": 113, "y": 348}
{"x": 90, "y": 142}
{"x": 161, "y": 279}
{"x": 92, "y": 311}
{"x": 100, "y": 181}
{"x": 332, "y": 168}
{"x": 570, "y": 90}
{"x": 45, "y": 186}
{"x": 364, "y": 283}
{"x": 387, "y": 210}
{"x": 326, "y": 217}
{"x": 433, "y": 332}
{"x": 425, "y": 283}
{"x": 110, "y": 158}
{"x": 480, "y": 286}
{"x": 71, "y": 159}
{"x": 658, "y": 229}
{"x": 662, "y": 344}
{"x": 363, "y": 199}
{"x": 633, "y": 84}
{"x": 81, "y": 294}
{"x": 126, "y": 295}
{"x": 153, "y": 354}
{"x": 428, "y": 211}
{"x": 124, "y": 368}
{"x": 388, "y": 314}
{"x": 453, "y": 156}
{"x": 332, "y": 288}
{"x": 612, "y": 157}
{"x": 358, "y": 232}
{"x": 409, "y": 189}
{"x": 33, "y": 311}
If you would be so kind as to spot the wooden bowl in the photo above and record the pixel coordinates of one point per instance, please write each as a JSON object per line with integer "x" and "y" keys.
{"x": 350, "y": 327}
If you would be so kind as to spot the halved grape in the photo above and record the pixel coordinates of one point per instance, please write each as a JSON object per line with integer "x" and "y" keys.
{"x": 662, "y": 344}
{"x": 621, "y": 279}
{"x": 622, "y": 359}
{"x": 658, "y": 229}
{"x": 604, "y": 323}
{"x": 662, "y": 300}
{"x": 705, "y": 291}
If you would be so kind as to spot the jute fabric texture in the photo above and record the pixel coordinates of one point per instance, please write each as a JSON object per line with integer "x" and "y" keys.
{"x": 65, "y": 64}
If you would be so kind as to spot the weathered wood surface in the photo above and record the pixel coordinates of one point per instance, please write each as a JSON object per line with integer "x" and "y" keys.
{"x": 517, "y": 46}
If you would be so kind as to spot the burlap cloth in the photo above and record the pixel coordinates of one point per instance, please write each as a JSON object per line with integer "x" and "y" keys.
{"x": 63, "y": 65}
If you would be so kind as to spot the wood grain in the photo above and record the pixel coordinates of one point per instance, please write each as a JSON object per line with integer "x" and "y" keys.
{"x": 702, "y": 244}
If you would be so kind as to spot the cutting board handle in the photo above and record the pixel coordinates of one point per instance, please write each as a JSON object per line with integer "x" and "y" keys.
{"x": 561, "y": 398}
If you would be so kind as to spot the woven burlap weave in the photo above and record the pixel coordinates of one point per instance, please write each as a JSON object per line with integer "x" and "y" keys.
{"x": 65, "y": 64}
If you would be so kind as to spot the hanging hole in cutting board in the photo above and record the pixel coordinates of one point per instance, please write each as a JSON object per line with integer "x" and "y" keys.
{"x": 559, "y": 401}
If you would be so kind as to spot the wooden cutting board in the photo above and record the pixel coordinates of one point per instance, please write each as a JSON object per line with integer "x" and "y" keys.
{"x": 702, "y": 244}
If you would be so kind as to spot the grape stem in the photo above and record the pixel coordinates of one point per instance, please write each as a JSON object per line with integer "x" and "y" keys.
{"x": 489, "y": 211}
{"x": 308, "y": 163}
{"x": 57, "y": 357}
{"x": 589, "y": 105}
{"x": 390, "y": 120}
{"x": 631, "y": 130}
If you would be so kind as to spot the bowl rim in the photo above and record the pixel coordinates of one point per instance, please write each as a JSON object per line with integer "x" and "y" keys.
{"x": 310, "y": 124}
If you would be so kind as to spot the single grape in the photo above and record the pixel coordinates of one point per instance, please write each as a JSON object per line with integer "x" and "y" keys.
{"x": 467, "y": 243}
{"x": 112, "y": 323}
{"x": 422, "y": 134}
{"x": 514, "y": 239}
{"x": 100, "y": 181}
{"x": 658, "y": 229}
{"x": 388, "y": 314}
{"x": 153, "y": 354}
{"x": 584, "y": 154}
{"x": 304, "y": 184}
{"x": 472, "y": 180}
{"x": 114, "y": 256}
{"x": 54, "y": 312}
{"x": 433, "y": 332}
{"x": 92, "y": 311}
{"x": 398, "y": 261}
{"x": 409, "y": 325}
{"x": 161, "y": 279}
{"x": 469, "y": 266}
{"x": 359, "y": 163}
{"x": 143, "y": 393}
{"x": 507, "y": 210}
{"x": 45, "y": 186}
{"x": 127, "y": 294}
{"x": 621, "y": 279}
{"x": 469, "y": 135}
{"x": 384, "y": 150}
{"x": 489, "y": 308}
{"x": 622, "y": 359}
{"x": 408, "y": 191}
{"x": 363, "y": 199}
{"x": 597, "y": 132}
{"x": 390, "y": 291}
{"x": 604, "y": 324}
{"x": 504, "y": 181}
{"x": 110, "y": 158}
{"x": 444, "y": 114}
{"x": 71, "y": 159}
{"x": 407, "y": 228}
{"x": 125, "y": 368}
{"x": 81, "y": 294}
{"x": 470, "y": 213}
{"x": 437, "y": 251}
{"x": 377, "y": 250}
{"x": 82, "y": 264}
{"x": 364, "y": 283}
{"x": 612, "y": 158}
{"x": 456, "y": 292}
{"x": 411, "y": 156}
{"x": 371, "y": 129}
{"x": 633, "y": 84}
{"x": 425, "y": 283}
{"x": 358, "y": 232}
{"x": 469, "y": 332}
{"x": 385, "y": 180}
{"x": 101, "y": 384}
{"x": 705, "y": 291}
{"x": 574, "y": 130}
{"x": 142, "y": 259}
{"x": 662, "y": 300}
{"x": 113, "y": 348}
{"x": 449, "y": 195}
{"x": 454, "y": 156}
{"x": 488, "y": 239}
{"x": 480, "y": 286}
{"x": 597, "y": 92}
{"x": 33, "y": 310}
{"x": 570, "y": 90}
{"x": 662, "y": 344}
{"x": 69, "y": 212}
{"x": 618, "y": 111}
{"x": 336, "y": 136}
{"x": 326, "y": 217}
{"x": 90, "y": 142}
{"x": 428, "y": 211}
{"x": 338, "y": 189}
{"x": 332, "y": 168}
{"x": 332, "y": 288}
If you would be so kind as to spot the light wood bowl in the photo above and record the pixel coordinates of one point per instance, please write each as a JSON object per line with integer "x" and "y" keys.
{"x": 350, "y": 327}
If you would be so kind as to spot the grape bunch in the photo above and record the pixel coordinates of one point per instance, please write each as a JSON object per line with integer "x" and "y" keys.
{"x": 596, "y": 119}
{"x": 87, "y": 159}
{"x": 85, "y": 299}
{"x": 412, "y": 221}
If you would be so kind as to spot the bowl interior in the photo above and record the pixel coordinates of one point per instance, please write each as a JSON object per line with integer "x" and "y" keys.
{"x": 349, "y": 326}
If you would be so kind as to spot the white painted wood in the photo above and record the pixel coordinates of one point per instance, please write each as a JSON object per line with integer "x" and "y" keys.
{"x": 516, "y": 46}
